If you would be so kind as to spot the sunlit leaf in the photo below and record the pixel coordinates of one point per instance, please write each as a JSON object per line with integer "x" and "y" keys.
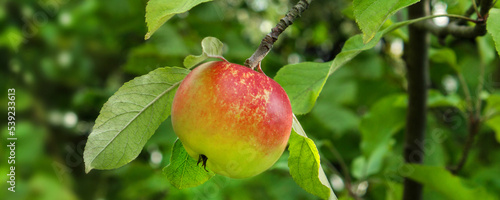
{"x": 12, "y": 38}
{"x": 303, "y": 82}
{"x": 159, "y": 11}
{"x": 493, "y": 26}
{"x": 304, "y": 164}
{"x": 371, "y": 14}
{"x": 442, "y": 181}
{"x": 129, "y": 118}
{"x": 183, "y": 171}
{"x": 212, "y": 48}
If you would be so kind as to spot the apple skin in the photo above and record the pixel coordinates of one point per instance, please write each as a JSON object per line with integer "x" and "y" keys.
{"x": 238, "y": 118}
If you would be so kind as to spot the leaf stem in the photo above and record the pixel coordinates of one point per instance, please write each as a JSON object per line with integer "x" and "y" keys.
{"x": 480, "y": 86}
{"x": 474, "y": 4}
{"x": 474, "y": 118}
{"x": 474, "y": 125}
{"x": 466, "y": 91}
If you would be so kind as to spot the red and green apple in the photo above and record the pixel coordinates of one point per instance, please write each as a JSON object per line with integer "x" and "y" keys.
{"x": 235, "y": 119}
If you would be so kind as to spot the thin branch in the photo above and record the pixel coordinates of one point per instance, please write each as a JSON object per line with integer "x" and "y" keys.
{"x": 468, "y": 96}
{"x": 474, "y": 125}
{"x": 485, "y": 5}
{"x": 474, "y": 122}
{"x": 474, "y": 5}
{"x": 480, "y": 86}
{"x": 453, "y": 29}
{"x": 267, "y": 43}
{"x": 462, "y": 31}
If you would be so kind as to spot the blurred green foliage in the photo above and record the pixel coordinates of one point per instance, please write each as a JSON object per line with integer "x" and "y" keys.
{"x": 66, "y": 58}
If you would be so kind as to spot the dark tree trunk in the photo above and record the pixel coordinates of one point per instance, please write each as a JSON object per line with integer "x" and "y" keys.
{"x": 417, "y": 64}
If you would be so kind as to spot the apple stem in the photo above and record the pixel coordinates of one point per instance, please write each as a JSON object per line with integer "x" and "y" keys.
{"x": 267, "y": 43}
{"x": 260, "y": 69}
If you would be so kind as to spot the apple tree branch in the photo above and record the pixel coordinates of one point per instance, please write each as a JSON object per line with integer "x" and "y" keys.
{"x": 457, "y": 29}
{"x": 267, "y": 43}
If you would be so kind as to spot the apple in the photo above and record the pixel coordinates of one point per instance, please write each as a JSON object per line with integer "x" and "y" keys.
{"x": 234, "y": 119}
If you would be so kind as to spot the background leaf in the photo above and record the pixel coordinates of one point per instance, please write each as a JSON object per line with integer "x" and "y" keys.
{"x": 442, "y": 181}
{"x": 493, "y": 26}
{"x": 444, "y": 55}
{"x": 129, "y": 118}
{"x": 183, "y": 171}
{"x": 304, "y": 164}
{"x": 385, "y": 118}
{"x": 436, "y": 99}
{"x": 159, "y": 11}
{"x": 492, "y": 114}
{"x": 211, "y": 47}
{"x": 371, "y": 14}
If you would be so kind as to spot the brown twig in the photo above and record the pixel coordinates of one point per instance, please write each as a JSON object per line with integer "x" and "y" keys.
{"x": 267, "y": 43}
{"x": 474, "y": 122}
{"x": 462, "y": 31}
{"x": 474, "y": 125}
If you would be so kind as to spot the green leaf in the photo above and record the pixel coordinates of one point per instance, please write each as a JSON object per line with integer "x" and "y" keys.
{"x": 385, "y": 118}
{"x": 183, "y": 171}
{"x": 304, "y": 164}
{"x": 159, "y": 11}
{"x": 493, "y": 27}
{"x": 303, "y": 82}
{"x": 11, "y": 37}
{"x": 394, "y": 190}
{"x": 371, "y": 14}
{"x": 212, "y": 48}
{"x": 444, "y": 55}
{"x": 46, "y": 186}
{"x": 492, "y": 114}
{"x": 130, "y": 117}
{"x": 442, "y": 181}
{"x": 486, "y": 49}
{"x": 335, "y": 117}
{"x": 436, "y": 99}
{"x": 363, "y": 167}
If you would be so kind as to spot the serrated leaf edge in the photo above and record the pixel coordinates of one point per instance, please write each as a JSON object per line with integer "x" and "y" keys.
{"x": 89, "y": 167}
